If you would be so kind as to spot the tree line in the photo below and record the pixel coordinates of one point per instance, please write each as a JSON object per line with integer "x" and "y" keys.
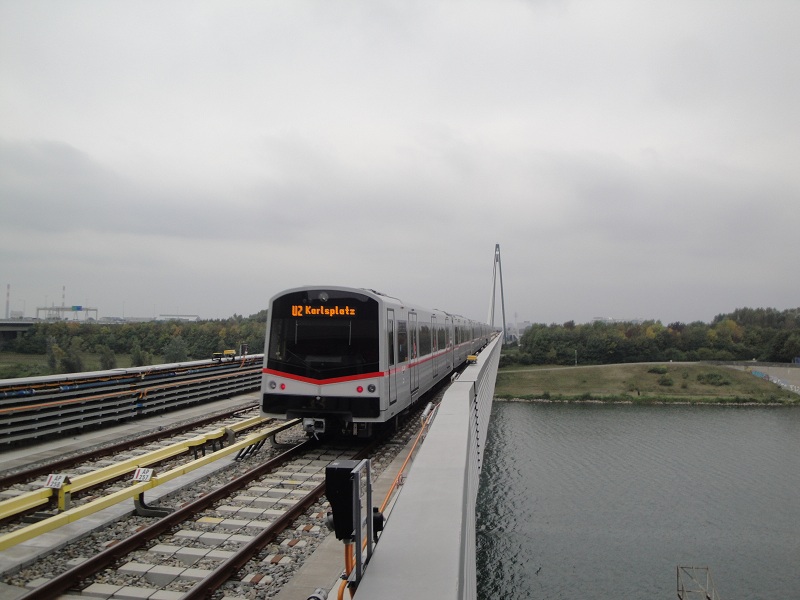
{"x": 65, "y": 342}
{"x": 762, "y": 334}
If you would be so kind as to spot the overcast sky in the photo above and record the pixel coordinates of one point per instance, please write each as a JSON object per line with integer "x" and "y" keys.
{"x": 632, "y": 159}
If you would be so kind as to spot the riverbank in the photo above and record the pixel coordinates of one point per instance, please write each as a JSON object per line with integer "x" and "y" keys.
{"x": 642, "y": 383}
{"x": 630, "y": 402}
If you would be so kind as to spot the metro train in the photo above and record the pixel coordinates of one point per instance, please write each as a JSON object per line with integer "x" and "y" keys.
{"x": 346, "y": 360}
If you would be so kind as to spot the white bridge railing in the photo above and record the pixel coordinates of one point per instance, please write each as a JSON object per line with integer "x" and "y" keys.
{"x": 427, "y": 549}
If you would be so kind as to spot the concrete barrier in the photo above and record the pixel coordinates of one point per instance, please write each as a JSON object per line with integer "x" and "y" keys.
{"x": 427, "y": 549}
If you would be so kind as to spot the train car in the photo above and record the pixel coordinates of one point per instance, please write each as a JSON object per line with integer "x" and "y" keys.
{"x": 345, "y": 359}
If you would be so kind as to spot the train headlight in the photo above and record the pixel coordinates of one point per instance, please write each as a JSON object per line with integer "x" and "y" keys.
{"x": 272, "y": 385}
{"x": 359, "y": 389}
{"x": 283, "y": 386}
{"x": 371, "y": 388}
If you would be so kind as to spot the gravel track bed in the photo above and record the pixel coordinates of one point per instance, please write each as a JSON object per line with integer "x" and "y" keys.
{"x": 92, "y": 494}
{"x": 63, "y": 559}
{"x": 262, "y": 577}
{"x": 247, "y": 410}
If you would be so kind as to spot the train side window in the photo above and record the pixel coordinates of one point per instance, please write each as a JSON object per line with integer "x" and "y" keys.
{"x": 424, "y": 339}
{"x": 413, "y": 331}
{"x": 402, "y": 341}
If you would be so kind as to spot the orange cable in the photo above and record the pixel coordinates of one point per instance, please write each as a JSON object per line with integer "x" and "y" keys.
{"x": 340, "y": 593}
{"x": 405, "y": 462}
{"x": 349, "y": 555}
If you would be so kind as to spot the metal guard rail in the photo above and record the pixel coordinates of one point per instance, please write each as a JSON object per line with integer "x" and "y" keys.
{"x": 427, "y": 548}
{"x": 68, "y": 516}
{"x": 36, "y": 407}
{"x": 29, "y": 500}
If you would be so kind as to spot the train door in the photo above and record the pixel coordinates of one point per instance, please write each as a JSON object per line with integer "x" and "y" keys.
{"x": 402, "y": 389}
{"x": 392, "y": 362}
{"x": 448, "y": 327}
{"x": 434, "y": 348}
{"x": 413, "y": 346}
{"x": 441, "y": 335}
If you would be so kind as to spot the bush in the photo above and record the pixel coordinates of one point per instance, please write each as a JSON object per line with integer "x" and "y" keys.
{"x": 140, "y": 358}
{"x": 176, "y": 350}
{"x": 107, "y": 358}
{"x": 665, "y": 380}
{"x": 658, "y": 370}
{"x": 712, "y": 379}
{"x": 525, "y": 359}
{"x": 72, "y": 361}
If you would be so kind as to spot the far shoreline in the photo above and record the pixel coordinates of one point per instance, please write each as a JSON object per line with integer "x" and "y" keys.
{"x": 710, "y": 402}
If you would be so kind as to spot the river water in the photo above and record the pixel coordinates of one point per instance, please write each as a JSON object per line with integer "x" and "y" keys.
{"x": 588, "y": 501}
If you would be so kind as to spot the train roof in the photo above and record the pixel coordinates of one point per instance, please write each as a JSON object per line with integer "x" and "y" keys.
{"x": 374, "y": 294}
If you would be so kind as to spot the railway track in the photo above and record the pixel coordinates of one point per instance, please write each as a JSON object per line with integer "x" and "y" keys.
{"x": 40, "y": 408}
{"x": 93, "y": 479}
{"x": 27, "y": 475}
{"x": 243, "y": 531}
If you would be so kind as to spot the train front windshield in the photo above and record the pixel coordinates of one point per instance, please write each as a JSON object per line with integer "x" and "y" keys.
{"x": 323, "y": 334}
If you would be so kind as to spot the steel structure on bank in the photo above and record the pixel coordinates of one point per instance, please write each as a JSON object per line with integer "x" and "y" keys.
{"x": 696, "y": 583}
{"x": 54, "y": 313}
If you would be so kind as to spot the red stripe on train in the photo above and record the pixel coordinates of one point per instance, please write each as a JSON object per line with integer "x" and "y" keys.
{"x": 372, "y": 375}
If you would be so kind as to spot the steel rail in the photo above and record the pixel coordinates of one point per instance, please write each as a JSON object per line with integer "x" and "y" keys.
{"x": 26, "y": 501}
{"x": 67, "y": 516}
{"x": 225, "y": 571}
{"x": 65, "y": 463}
{"x": 28, "y": 386}
{"x": 71, "y": 578}
{"x": 95, "y": 399}
{"x": 138, "y": 391}
{"x": 234, "y": 564}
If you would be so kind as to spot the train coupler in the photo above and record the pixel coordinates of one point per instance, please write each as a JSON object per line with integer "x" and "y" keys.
{"x": 313, "y": 426}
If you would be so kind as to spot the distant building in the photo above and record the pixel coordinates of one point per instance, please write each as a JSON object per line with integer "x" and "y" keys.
{"x": 612, "y": 320}
{"x": 191, "y": 318}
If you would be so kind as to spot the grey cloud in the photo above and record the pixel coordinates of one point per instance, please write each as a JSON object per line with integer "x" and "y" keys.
{"x": 632, "y": 159}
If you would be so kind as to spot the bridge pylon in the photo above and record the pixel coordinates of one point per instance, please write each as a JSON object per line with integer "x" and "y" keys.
{"x": 498, "y": 268}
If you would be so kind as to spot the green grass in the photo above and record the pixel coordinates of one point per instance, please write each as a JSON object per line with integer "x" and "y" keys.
{"x": 640, "y": 383}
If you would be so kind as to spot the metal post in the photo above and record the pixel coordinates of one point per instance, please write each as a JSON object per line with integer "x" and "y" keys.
{"x": 359, "y": 516}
